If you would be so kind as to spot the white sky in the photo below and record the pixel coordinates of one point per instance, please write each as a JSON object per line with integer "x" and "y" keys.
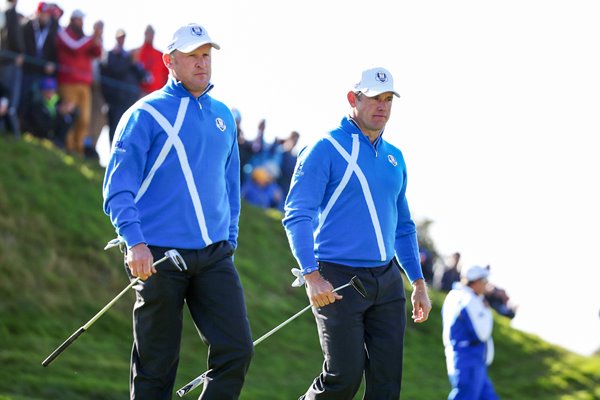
{"x": 497, "y": 121}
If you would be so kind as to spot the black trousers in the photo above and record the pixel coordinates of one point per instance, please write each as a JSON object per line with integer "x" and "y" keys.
{"x": 361, "y": 336}
{"x": 214, "y": 296}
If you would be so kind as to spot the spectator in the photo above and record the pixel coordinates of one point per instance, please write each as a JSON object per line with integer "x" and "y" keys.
{"x": 261, "y": 190}
{"x": 121, "y": 77}
{"x": 288, "y": 162}
{"x": 4, "y": 102}
{"x": 76, "y": 51}
{"x": 12, "y": 50}
{"x": 244, "y": 146}
{"x": 498, "y": 299}
{"x": 98, "y": 117}
{"x": 467, "y": 336}
{"x": 151, "y": 60}
{"x": 449, "y": 273}
{"x": 47, "y": 116}
{"x": 426, "y": 259}
{"x": 39, "y": 35}
{"x": 264, "y": 154}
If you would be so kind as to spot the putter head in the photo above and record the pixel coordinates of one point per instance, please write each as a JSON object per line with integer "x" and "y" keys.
{"x": 358, "y": 286}
{"x": 176, "y": 259}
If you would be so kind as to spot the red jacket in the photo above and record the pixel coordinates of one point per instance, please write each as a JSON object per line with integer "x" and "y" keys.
{"x": 75, "y": 56}
{"x": 151, "y": 60}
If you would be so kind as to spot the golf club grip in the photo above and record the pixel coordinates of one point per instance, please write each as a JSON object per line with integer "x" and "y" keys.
{"x": 63, "y": 346}
{"x": 192, "y": 385}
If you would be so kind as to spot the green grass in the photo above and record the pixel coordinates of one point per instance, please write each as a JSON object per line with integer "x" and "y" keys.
{"x": 55, "y": 277}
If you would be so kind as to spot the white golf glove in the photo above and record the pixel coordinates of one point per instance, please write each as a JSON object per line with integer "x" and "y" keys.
{"x": 299, "y": 281}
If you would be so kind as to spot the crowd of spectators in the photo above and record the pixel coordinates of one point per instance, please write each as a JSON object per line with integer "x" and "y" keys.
{"x": 60, "y": 84}
{"x": 266, "y": 168}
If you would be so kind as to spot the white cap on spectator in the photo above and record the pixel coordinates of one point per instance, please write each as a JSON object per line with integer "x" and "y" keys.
{"x": 375, "y": 81}
{"x": 77, "y": 14}
{"x": 474, "y": 273}
{"x": 188, "y": 38}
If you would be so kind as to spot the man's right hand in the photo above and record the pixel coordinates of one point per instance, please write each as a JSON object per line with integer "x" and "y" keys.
{"x": 319, "y": 290}
{"x": 139, "y": 261}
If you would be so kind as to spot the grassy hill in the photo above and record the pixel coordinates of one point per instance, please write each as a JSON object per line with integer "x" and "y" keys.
{"x": 54, "y": 276}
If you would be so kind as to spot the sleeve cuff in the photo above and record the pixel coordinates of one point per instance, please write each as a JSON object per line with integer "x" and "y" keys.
{"x": 306, "y": 271}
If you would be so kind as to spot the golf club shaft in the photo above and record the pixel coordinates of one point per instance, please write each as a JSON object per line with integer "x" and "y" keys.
{"x": 86, "y": 326}
{"x": 200, "y": 379}
{"x": 293, "y": 317}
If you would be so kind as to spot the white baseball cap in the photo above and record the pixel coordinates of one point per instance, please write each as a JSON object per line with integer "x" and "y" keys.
{"x": 77, "y": 14}
{"x": 474, "y": 273}
{"x": 188, "y": 38}
{"x": 375, "y": 81}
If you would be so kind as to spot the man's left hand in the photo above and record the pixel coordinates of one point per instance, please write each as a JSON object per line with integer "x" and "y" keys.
{"x": 420, "y": 301}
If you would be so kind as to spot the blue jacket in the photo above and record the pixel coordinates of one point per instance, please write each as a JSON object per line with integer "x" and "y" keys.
{"x": 467, "y": 329}
{"x": 173, "y": 175}
{"x": 347, "y": 204}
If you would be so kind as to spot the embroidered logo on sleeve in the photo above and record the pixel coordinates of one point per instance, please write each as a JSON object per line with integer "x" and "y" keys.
{"x": 120, "y": 146}
{"x": 392, "y": 160}
{"x": 220, "y": 124}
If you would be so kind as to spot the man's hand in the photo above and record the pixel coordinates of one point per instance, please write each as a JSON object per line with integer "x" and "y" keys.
{"x": 319, "y": 291}
{"x": 420, "y": 301}
{"x": 139, "y": 261}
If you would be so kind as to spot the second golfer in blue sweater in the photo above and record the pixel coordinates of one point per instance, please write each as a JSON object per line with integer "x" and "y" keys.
{"x": 347, "y": 214}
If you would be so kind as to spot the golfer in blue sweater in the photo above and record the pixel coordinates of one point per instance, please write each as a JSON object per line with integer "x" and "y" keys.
{"x": 347, "y": 214}
{"x": 173, "y": 181}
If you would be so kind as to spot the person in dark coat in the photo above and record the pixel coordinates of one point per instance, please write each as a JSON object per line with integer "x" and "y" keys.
{"x": 121, "y": 77}
{"x": 39, "y": 34}
{"x": 48, "y": 116}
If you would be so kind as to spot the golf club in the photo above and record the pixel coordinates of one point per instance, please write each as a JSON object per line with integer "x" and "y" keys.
{"x": 354, "y": 282}
{"x": 172, "y": 255}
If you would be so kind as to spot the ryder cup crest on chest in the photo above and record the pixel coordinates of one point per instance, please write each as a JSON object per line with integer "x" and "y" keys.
{"x": 220, "y": 124}
{"x": 392, "y": 160}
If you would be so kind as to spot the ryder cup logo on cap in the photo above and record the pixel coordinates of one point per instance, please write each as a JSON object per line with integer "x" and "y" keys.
{"x": 189, "y": 37}
{"x": 375, "y": 81}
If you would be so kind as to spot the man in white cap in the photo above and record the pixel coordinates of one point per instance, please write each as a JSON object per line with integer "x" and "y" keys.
{"x": 467, "y": 336}
{"x": 346, "y": 215}
{"x": 173, "y": 182}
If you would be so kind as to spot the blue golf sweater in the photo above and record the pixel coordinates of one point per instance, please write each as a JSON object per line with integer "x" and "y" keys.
{"x": 173, "y": 175}
{"x": 347, "y": 204}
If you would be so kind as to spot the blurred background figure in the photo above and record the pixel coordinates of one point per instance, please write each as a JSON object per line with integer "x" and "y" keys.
{"x": 261, "y": 190}
{"x": 76, "y": 51}
{"x": 121, "y": 77}
{"x": 498, "y": 299}
{"x": 12, "y": 49}
{"x": 39, "y": 33}
{"x": 289, "y": 156}
{"x": 426, "y": 259}
{"x": 151, "y": 60}
{"x": 264, "y": 154}
{"x": 48, "y": 116}
{"x": 467, "y": 335}
{"x": 448, "y": 273}
{"x": 244, "y": 146}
